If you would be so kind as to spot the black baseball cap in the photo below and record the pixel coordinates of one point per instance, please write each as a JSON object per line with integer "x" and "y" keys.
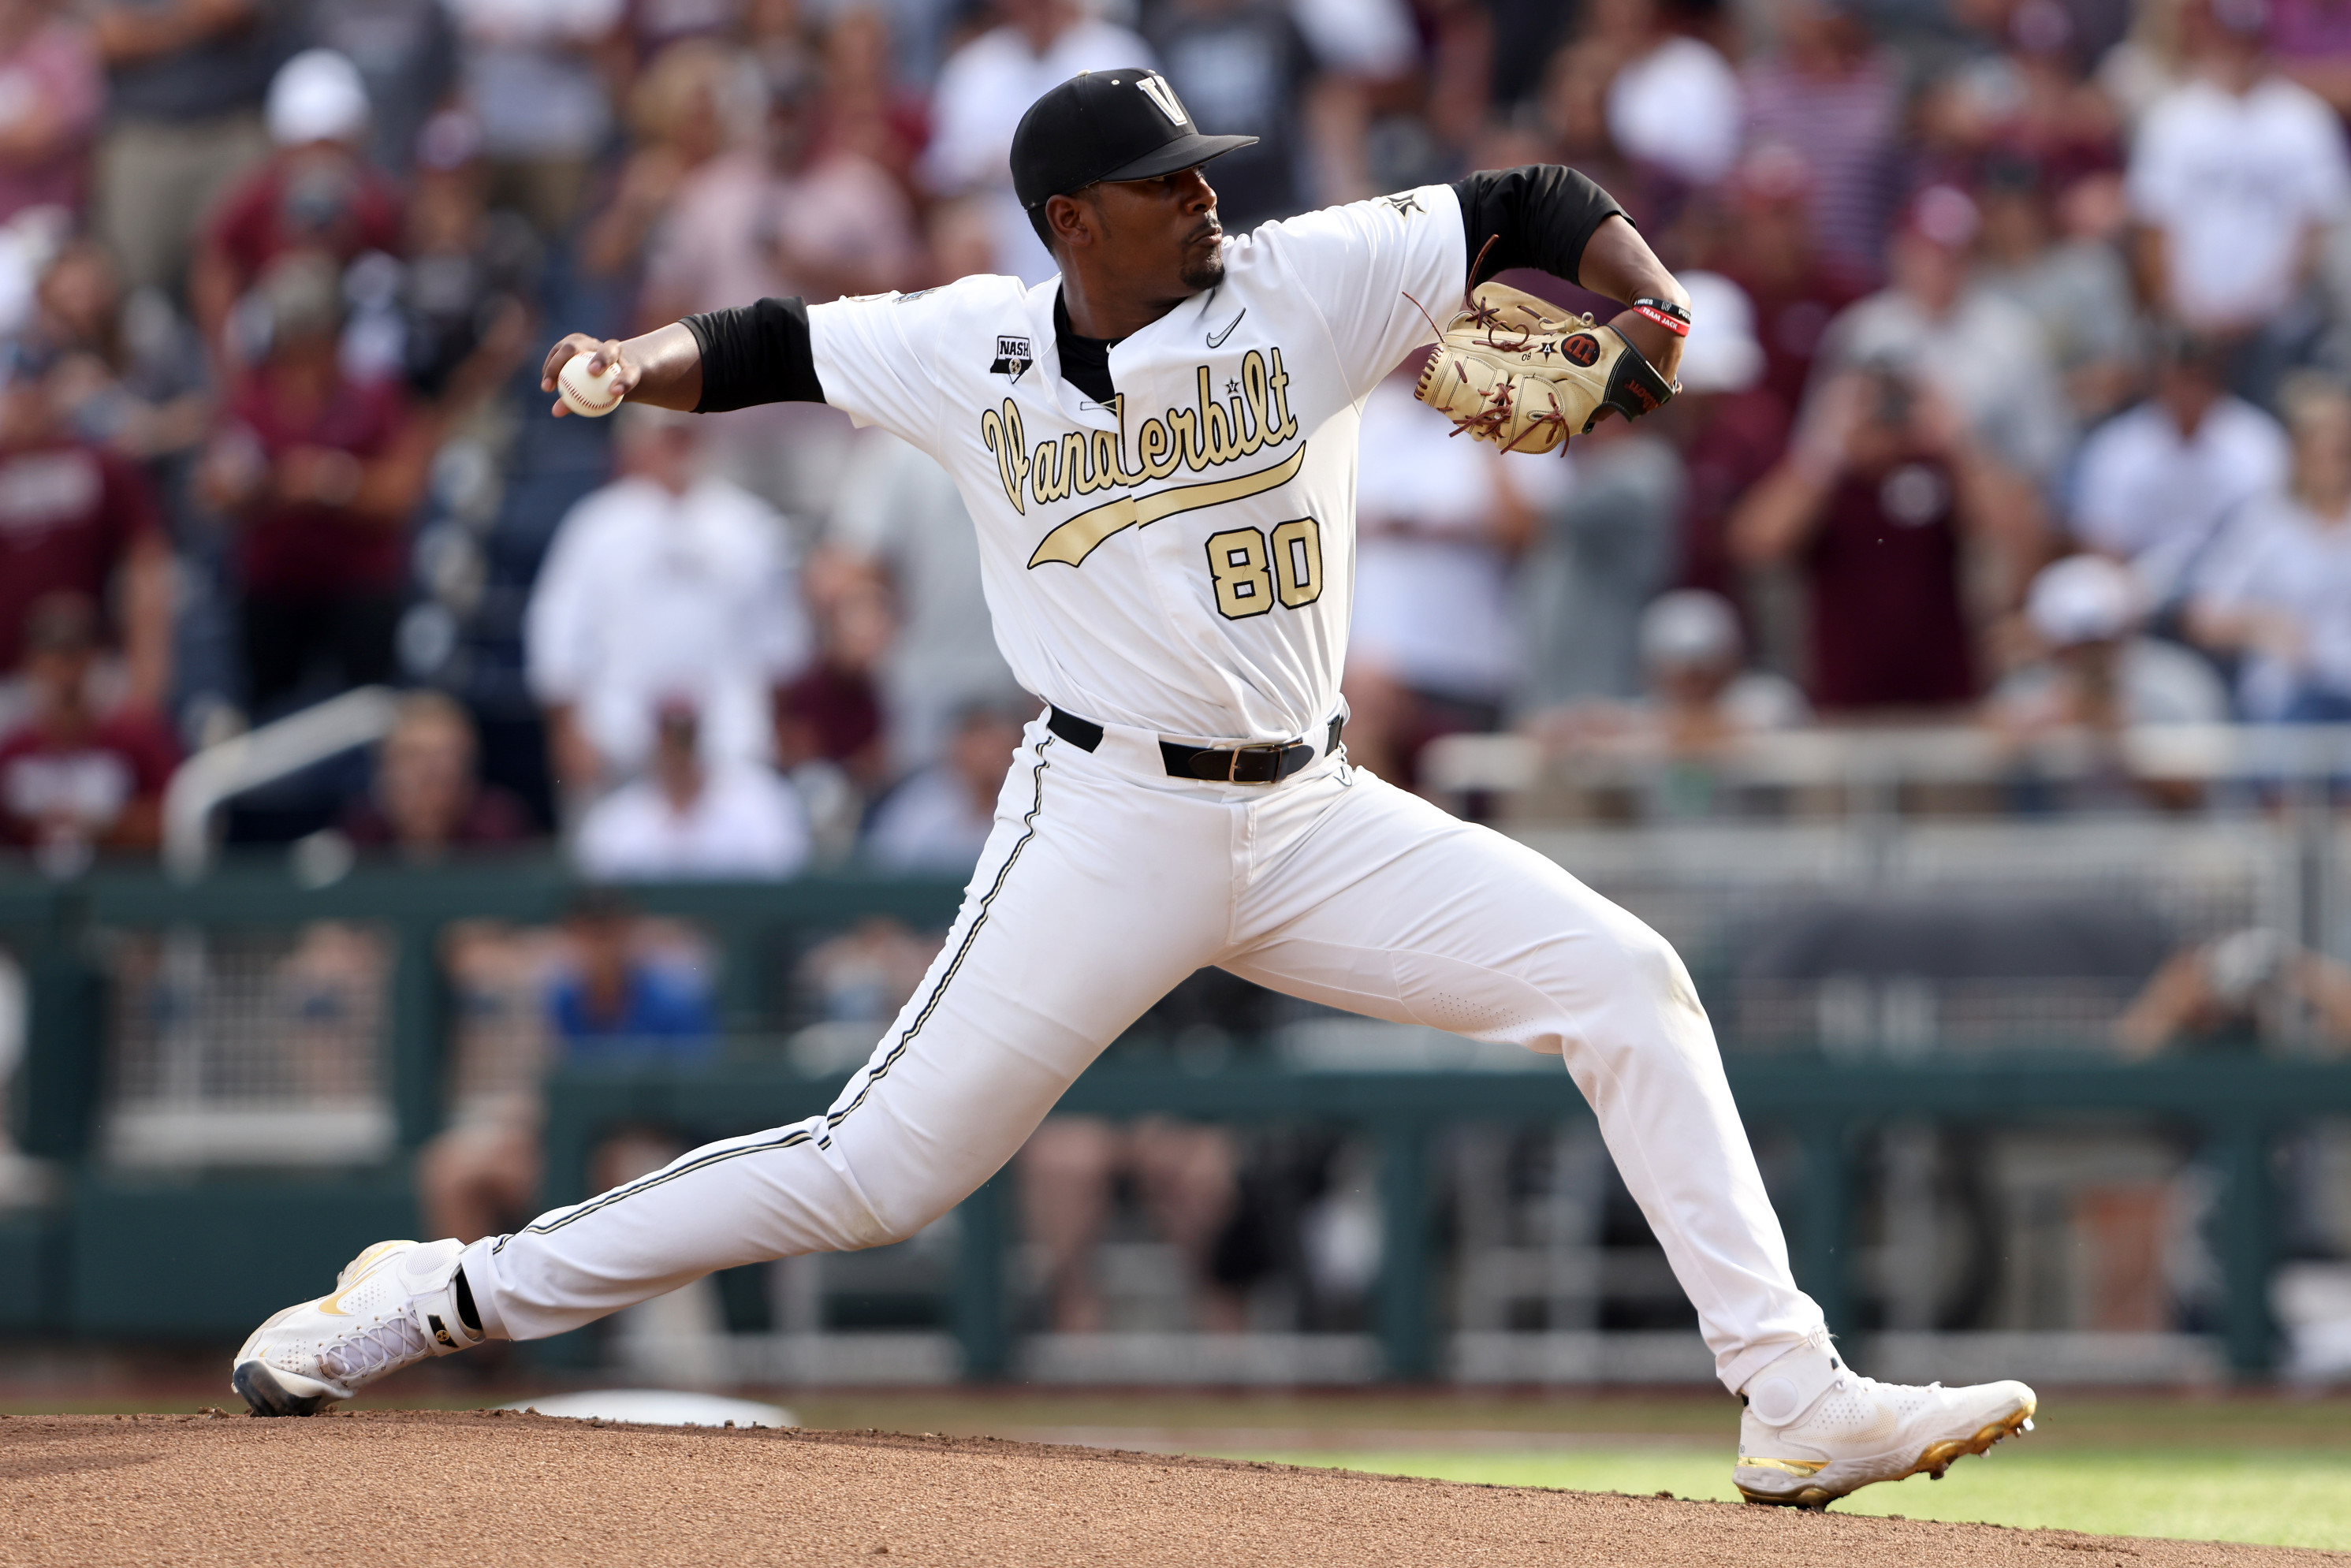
{"x": 1107, "y": 125}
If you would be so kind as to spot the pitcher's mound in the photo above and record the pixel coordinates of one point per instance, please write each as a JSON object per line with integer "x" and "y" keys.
{"x": 495, "y": 1489}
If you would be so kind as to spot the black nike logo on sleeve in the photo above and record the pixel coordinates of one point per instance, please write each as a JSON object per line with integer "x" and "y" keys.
{"x": 1217, "y": 339}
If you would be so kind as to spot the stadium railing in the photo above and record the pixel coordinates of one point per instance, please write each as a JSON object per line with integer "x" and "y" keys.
{"x": 76, "y": 1266}
{"x": 1867, "y": 766}
{"x": 2232, "y": 1108}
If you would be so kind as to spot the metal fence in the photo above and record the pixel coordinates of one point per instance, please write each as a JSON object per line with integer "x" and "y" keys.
{"x": 1922, "y": 1105}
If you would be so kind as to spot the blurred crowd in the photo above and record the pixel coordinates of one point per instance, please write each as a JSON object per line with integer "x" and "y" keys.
{"x": 2020, "y": 394}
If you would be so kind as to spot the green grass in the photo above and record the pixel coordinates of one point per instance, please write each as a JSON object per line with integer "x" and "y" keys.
{"x": 2276, "y": 1497}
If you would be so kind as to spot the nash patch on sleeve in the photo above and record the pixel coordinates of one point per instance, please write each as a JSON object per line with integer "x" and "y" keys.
{"x": 1012, "y": 358}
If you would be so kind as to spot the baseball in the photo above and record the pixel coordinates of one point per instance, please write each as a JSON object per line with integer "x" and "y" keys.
{"x": 585, "y": 394}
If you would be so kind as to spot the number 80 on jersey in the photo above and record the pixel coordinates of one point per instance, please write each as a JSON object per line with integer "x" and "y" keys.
{"x": 1251, "y": 570}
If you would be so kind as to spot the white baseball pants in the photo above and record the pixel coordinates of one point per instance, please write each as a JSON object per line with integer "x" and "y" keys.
{"x": 1105, "y": 882}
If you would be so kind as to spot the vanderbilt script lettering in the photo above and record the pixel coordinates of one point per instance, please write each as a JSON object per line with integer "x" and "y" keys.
{"x": 1208, "y": 433}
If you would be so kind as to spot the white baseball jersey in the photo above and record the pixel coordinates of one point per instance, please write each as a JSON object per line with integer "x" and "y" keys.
{"x": 1179, "y": 563}
{"x": 1181, "y": 559}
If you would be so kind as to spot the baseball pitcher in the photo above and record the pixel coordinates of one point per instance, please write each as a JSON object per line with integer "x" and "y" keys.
{"x": 1158, "y": 447}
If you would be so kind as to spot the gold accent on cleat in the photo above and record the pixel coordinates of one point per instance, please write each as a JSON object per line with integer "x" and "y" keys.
{"x": 1935, "y": 1460}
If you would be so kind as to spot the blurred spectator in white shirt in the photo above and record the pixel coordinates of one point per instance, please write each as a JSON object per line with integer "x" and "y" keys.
{"x": 2276, "y": 589}
{"x": 689, "y": 819}
{"x": 901, "y": 518}
{"x": 1433, "y": 648}
{"x": 1372, "y": 39}
{"x": 2091, "y": 668}
{"x": 2054, "y": 256}
{"x": 1983, "y": 353}
{"x": 664, "y": 582}
{"x": 2233, "y": 174}
{"x": 2087, "y": 676}
{"x": 1699, "y": 699}
{"x": 532, "y": 78}
{"x": 988, "y": 84}
{"x": 1675, "y": 104}
{"x": 2155, "y": 485}
{"x": 938, "y": 820}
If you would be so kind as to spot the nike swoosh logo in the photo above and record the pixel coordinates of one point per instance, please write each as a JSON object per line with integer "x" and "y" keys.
{"x": 1217, "y": 339}
{"x": 1075, "y": 541}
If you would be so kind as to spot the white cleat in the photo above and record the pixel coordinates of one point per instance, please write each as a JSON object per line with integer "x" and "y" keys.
{"x": 392, "y": 1305}
{"x": 1814, "y": 1429}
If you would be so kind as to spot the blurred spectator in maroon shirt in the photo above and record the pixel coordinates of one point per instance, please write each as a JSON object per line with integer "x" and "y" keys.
{"x": 321, "y": 473}
{"x": 2311, "y": 42}
{"x": 75, "y": 777}
{"x": 1731, "y": 427}
{"x": 428, "y": 798}
{"x": 52, "y": 96}
{"x": 1796, "y": 290}
{"x": 316, "y": 194}
{"x": 833, "y": 712}
{"x": 2023, "y": 99}
{"x": 1875, "y": 506}
{"x": 1833, "y": 97}
{"x": 79, "y": 520}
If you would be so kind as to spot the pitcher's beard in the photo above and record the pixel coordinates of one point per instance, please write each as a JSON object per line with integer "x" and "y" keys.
{"x": 1205, "y": 273}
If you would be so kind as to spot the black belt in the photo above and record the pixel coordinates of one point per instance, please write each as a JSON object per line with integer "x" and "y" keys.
{"x": 1269, "y": 763}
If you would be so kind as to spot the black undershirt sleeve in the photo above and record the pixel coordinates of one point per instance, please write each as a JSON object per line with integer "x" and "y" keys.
{"x": 754, "y": 354}
{"x": 1539, "y": 216}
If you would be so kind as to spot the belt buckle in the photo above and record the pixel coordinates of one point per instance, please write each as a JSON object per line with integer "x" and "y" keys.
{"x": 1274, "y": 747}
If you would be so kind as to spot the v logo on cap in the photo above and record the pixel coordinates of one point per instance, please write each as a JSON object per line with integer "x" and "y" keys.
{"x": 1155, "y": 88}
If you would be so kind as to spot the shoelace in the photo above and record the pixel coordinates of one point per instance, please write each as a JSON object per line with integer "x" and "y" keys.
{"x": 380, "y": 1345}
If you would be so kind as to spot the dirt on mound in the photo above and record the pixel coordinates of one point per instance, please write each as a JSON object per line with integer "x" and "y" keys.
{"x": 445, "y": 1489}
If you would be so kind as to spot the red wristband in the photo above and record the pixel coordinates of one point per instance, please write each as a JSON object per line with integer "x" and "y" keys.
{"x": 1676, "y": 325}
